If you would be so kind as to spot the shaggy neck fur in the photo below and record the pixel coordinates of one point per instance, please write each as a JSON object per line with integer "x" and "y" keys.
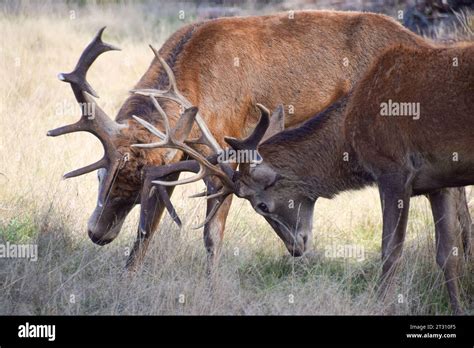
{"x": 316, "y": 155}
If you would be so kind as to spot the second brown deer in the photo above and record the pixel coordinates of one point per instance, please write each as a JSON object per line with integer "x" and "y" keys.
{"x": 405, "y": 127}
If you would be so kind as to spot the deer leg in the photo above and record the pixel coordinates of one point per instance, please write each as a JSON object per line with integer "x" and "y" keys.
{"x": 464, "y": 218}
{"x": 395, "y": 195}
{"x": 443, "y": 205}
{"x": 214, "y": 229}
{"x": 143, "y": 239}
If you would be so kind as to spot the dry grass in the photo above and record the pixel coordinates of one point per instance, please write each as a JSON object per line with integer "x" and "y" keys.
{"x": 255, "y": 275}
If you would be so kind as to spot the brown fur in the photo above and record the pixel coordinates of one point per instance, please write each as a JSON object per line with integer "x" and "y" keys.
{"x": 405, "y": 74}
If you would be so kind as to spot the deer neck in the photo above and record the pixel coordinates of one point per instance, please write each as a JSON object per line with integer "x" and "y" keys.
{"x": 334, "y": 164}
{"x": 317, "y": 155}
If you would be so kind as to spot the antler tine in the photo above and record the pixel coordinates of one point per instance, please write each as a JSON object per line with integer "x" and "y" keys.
{"x": 208, "y": 216}
{"x": 152, "y": 130}
{"x": 77, "y": 78}
{"x": 199, "y": 195}
{"x": 94, "y": 119}
{"x": 163, "y": 136}
{"x": 200, "y": 175}
{"x": 171, "y": 78}
{"x": 172, "y": 86}
{"x": 149, "y": 126}
{"x": 157, "y": 93}
{"x": 165, "y": 198}
{"x": 148, "y": 198}
{"x": 163, "y": 115}
{"x": 102, "y": 163}
{"x": 221, "y": 193}
{"x": 172, "y": 92}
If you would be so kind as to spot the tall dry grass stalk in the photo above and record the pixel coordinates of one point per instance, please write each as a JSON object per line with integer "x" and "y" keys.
{"x": 73, "y": 276}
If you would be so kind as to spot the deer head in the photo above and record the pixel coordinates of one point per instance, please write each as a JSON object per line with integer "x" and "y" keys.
{"x": 278, "y": 199}
{"x": 120, "y": 169}
{"x": 108, "y": 216}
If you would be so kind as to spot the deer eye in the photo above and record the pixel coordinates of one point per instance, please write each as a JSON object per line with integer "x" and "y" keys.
{"x": 263, "y": 207}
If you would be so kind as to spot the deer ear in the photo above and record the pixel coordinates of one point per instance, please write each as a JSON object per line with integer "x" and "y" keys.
{"x": 252, "y": 141}
{"x": 185, "y": 123}
{"x": 264, "y": 175}
{"x": 277, "y": 122}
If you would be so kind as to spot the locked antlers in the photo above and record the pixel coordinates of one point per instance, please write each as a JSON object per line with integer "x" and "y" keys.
{"x": 207, "y": 166}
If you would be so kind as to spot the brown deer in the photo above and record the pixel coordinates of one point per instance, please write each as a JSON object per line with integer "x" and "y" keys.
{"x": 224, "y": 66}
{"x": 355, "y": 143}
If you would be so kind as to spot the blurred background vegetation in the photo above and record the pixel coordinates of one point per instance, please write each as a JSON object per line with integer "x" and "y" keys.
{"x": 434, "y": 18}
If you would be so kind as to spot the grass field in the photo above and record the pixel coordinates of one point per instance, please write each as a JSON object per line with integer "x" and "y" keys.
{"x": 74, "y": 276}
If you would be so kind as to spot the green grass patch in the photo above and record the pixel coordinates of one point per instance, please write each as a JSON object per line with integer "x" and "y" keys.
{"x": 18, "y": 230}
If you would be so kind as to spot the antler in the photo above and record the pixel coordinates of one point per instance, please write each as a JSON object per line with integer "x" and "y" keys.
{"x": 172, "y": 93}
{"x": 93, "y": 119}
{"x": 176, "y": 138}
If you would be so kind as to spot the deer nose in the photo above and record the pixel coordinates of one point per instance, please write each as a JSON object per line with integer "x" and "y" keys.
{"x": 98, "y": 240}
{"x": 298, "y": 247}
{"x": 297, "y": 253}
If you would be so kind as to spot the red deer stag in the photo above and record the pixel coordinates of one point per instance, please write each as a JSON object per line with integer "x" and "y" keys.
{"x": 223, "y": 67}
{"x": 424, "y": 146}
